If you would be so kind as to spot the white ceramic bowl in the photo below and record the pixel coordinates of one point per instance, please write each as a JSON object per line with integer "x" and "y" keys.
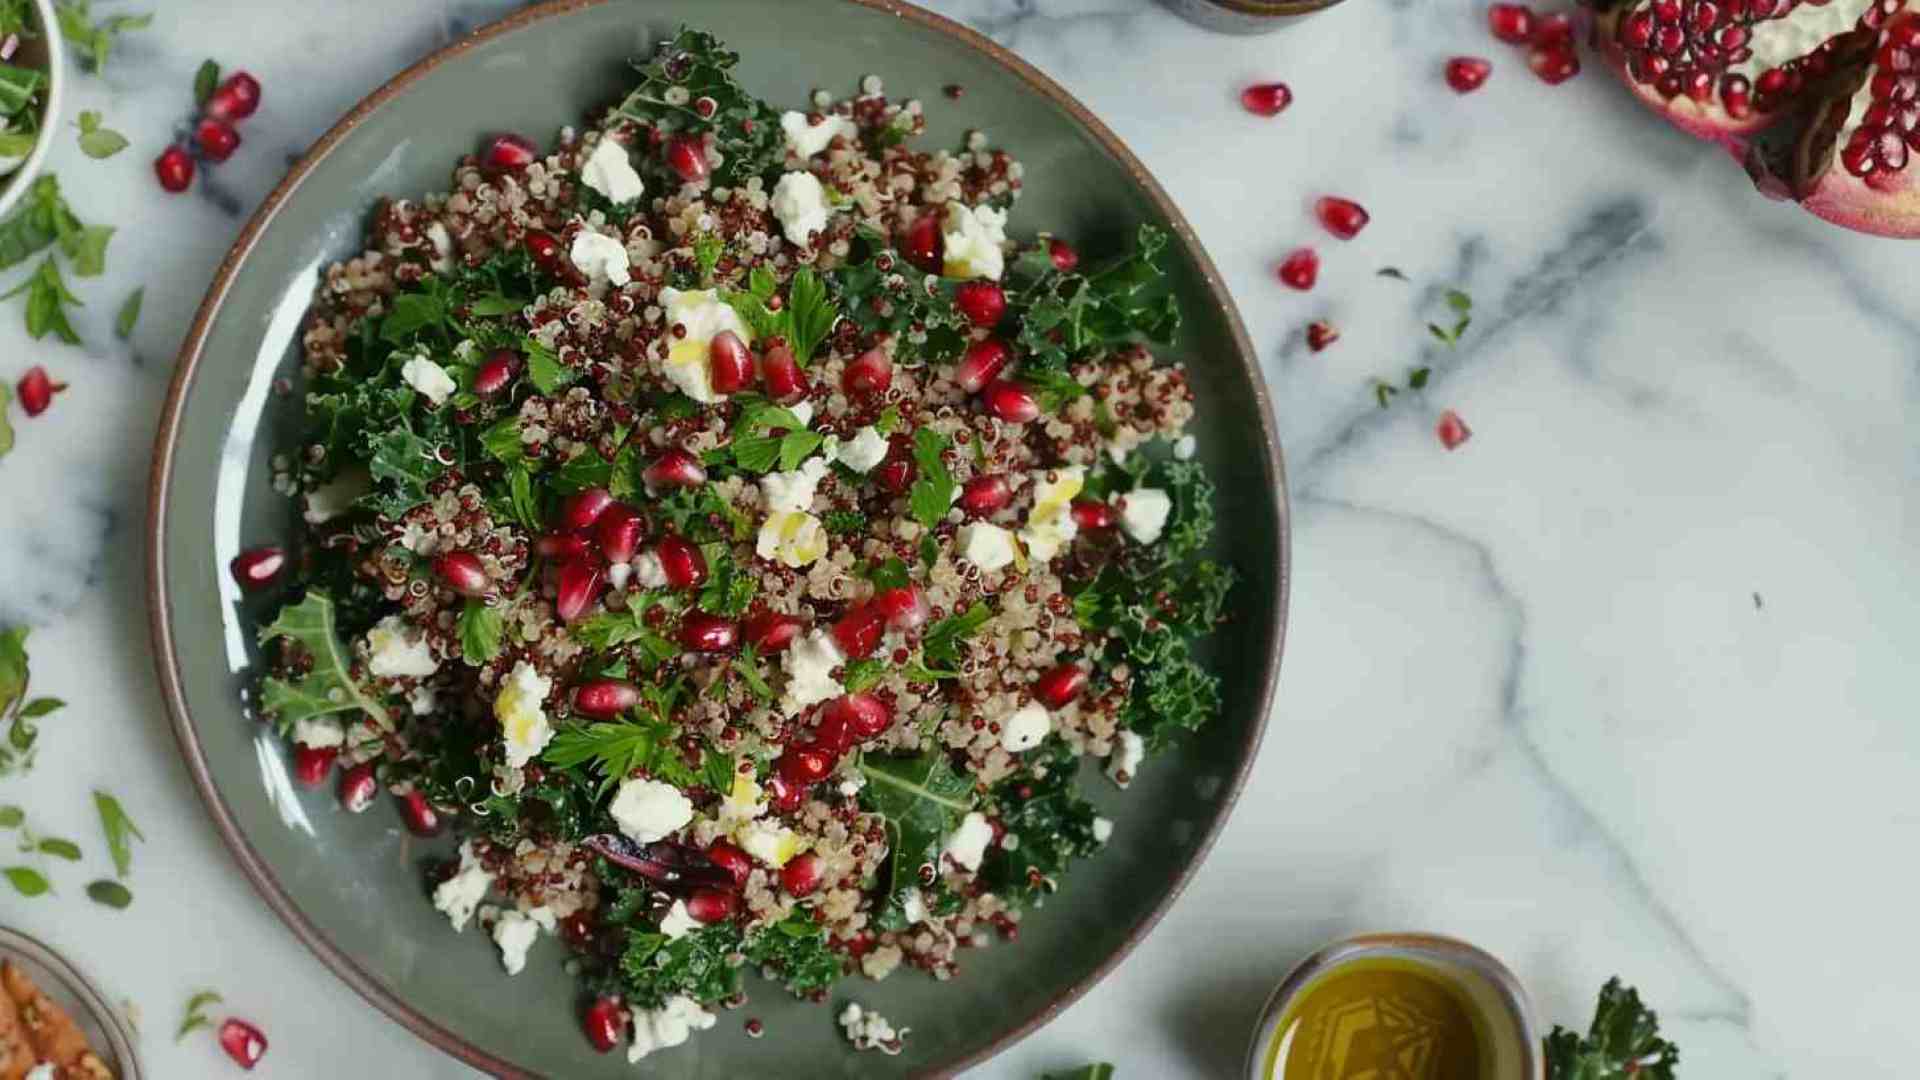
{"x": 17, "y": 182}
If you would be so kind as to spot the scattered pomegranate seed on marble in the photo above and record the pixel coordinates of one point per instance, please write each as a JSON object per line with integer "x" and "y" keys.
{"x": 1320, "y": 334}
{"x": 235, "y": 99}
{"x": 1452, "y": 430}
{"x": 1554, "y": 29}
{"x": 1266, "y": 99}
{"x": 1554, "y": 64}
{"x": 216, "y": 138}
{"x": 36, "y": 389}
{"x": 243, "y": 1042}
{"x": 1343, "y": 218}
{"x": 1465, "y": 74}
{"x": 174, "y": 168}
{"x": 1511, "y": 23}
{"x": 1300, "y": 269}
{"x": 418, "y": 814}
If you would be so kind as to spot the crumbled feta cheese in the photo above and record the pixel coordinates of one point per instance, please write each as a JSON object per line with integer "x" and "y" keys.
{"x": 865, "y": 450}
{"x": 800, "y": 202}
{"x": 337, "y": 496}
{"x": 703, "y": 315}
{"x": 1185, "y": 447}
{"x": 648, "y": 571}
{"x": 1045, "y": 539}
{"x": 868, "y": 1030}
{"x": 802, "y": 411}
{"x": 793, "y": 538}
{"x": 974, "y": 241}
{"x": 319, "y": 732}
{"x": 460, "y": 894}
{"x": 742, "y": 804}
{"x": 851, "y": 786}
{"x": 1025, "y": 729}
{"x": 429, "y": 378}
{"x": 806, "y": 140}
{"x": 601, "y": 257}
{"x": 769, "y": 841}
{"x": 520, "y": 708}
{"x": 649, "y": 810}
{"x": 913, "y": 906}
{"x": 1143, "y": 513}
{"x": 1102, "y": 830}
{"x": 787, "y": 492}
{"x": 667, "y": 1026}
{"x": 810, "y": 663}
{"x": 679, "y": 922}
{"x": 395, "y": 648}
{"x": 1050, "y": 525}
{"x": 1124, "y": 763}
{"x": 609, "y": 171}
{"x": 618, "y": 574}
{"x": 423, "y": 701}
{"x": 515, "y": 933}
{"x": 968, "y": 844}
{"x": 442, "y": 242}
{"x": 986, "y": 546}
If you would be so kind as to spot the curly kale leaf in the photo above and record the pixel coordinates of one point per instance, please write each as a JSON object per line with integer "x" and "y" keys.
{"x": 1054, "y": 824}
{"x": 699, "y": 965}
{"x": 1064, "y": 316}
{"x": 687, "y": 68}
{"x": 796, "y": 950}
{"x": 329, "y": 687}
{"x": 917, "y": 308}
{"x": 1623, "y": 1043}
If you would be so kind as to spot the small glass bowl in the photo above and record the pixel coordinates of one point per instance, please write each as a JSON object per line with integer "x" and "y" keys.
{"x": 1486, "y": 982}
{"x": 1246, "y": 16}
{"x": 104, "y": 1026}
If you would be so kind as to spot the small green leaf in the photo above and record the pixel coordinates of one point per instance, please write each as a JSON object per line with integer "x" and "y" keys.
{"x": 87, "y": 247}
{"x": 11, "y": 817}
{"x": 26, "y": 880}
{"x": 194, "y": 1017}
{"x": 39, "y": 707}
{"x": 1418, "y": 380}
{"x": 481, "y": 628}
{"x": 110, "y": 893}
{"x": 120, "y": 831}
{"x": 96, "y": 141}
{"x": 1391, "y": 272}
{"x": 1459, "y": 301}
{"x": 205, "y": 82}
{"x": 6, "y": 426}
{"x": 129, "y": 316}
{"x": 59, "y": 849}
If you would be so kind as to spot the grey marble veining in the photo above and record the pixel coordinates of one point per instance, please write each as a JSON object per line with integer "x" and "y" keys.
{"x": 1622, "y": 685}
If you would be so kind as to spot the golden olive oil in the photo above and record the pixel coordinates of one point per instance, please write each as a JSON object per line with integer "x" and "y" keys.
{"x": 1381, "y": 1018}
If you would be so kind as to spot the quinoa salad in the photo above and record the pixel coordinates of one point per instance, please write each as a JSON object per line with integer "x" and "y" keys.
{"x": 734, "y": 539}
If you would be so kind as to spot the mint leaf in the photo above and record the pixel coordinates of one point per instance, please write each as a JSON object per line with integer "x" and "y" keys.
{"x": 328, "y": 688}
{"x": 545, "y": 369}
{"x": 94, "y": 41}
{"x": 194, "y": 1016}
{"x": 11, "y": 817}
{"x": 87, "y": 247}
{"x": 98, "y": 142}
{"x": 6, "y": 426}
{"x": 129, "y": 316}
{"x": 205, "y": 82}
{"x": 481, "y": 628}
{"x": 47, "y": 297}
{"x": 810, "y": 314}
{"x": 59, "y": 849}
{"x": 26, "y": 880}
{"x": 119, "y": 829}
{"x": 110, "y": 894}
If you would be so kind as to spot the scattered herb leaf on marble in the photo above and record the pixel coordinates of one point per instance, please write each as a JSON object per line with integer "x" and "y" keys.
{"x": 1623, "y": 1042}
{"x": 16, "y": 752}
{"x": 1097, "y": 1071}
{"x": 1462, "y": 306}
{"x": 110, "y": 893}
{"x": 1418, "y": 380}
{"x": 6, "y": 426}
{"x": 195, "y": 1016}
{"x": 129, "y": 316}
{"x": 99, "y": 143}
{"x": 119, "y": 829}
{"x": 94, "y": 40}
{"x": 1393, "y": 272}
{"x": 47, "y": 297}
{"x": 205, "y": 81}
{"x": 12, "y": 817}
{"x": 58, "y": 848}
{"x": 26, "y": 880}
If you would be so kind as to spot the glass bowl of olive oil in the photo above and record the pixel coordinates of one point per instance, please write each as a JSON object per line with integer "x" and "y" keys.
{"x": 1399, "y": 1006}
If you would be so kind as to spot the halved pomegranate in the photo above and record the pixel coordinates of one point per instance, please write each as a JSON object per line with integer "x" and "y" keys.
{"x": 509, "y": 151}
{"x": 313, "y": 764}
{"x": 1820, "y": 101}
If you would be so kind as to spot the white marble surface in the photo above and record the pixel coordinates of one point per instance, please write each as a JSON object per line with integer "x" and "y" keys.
{"x": 1619, "y": 686}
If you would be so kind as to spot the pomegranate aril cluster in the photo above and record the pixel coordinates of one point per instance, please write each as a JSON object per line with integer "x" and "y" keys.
{"x": 1551, "y": 52}
{"x": 215, "y": 132}
{"x": 1889, "y": 131}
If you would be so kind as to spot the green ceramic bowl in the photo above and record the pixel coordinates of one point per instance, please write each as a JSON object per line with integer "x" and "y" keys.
{"x": 349, "y": 886}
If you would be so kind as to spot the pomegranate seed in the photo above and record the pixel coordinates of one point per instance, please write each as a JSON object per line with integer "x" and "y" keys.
{"x": 1320, "y": 334}
{"x": 867, "y": 375}
{"x": 577, "y": 930}
{"x": 923, "y": 245}
{"x": 985, "y": 494}
{"x": 675, "y": 468}
{"x": 1553, "y": 30}
{"x": 785, "y": 381}
{"x": 496, "y": 372}
{"x": 604, "y": 699}
{"x": 543, "y": 249}
{"x": 1467, "y": 73}
{"x": 802, "y": 874}
{"x": 858, "y": 631}
{"x": 981, "y": 364}
{"x": 1343, "y": 218}
{"x": 729, "y": 364}
{"x": 561, "y": 547}
{"x": 771, "y": 631}
{"x": 687, "y": 157}
{"x": 358, "y": 786}
{"x": 1511, "y": 23}
{"x": 1010, "y": 400}
{"x": 577, "y": 587}
{"x": 584, "y": 507}
{"x": 711, "y": 905}
{"x": 1057, "y": 688}
{"x": 1554, "y": 64}
{"x": 235, "y": 99}
{"x": 1266, "y": 99}
{"x": 903, "y": 606}
{"x": 785, "y": 796}
{"x": 834, "y": 733}
{"x": 1092, "y": 515}
{"x": 1300, "y": 269}
{"x": 174, "y": 167}
{"x": 509, "y": 151}
{"x": 701, "y": 632}
{"x": 896, "y": 473}
{"x": 603, "y": 1022}
{"x": 462, "y": 572}
{"x": 732, "y": 860}
{"x": 804, "y": 765}
{"x": 313, "y": 764}
{"x": 255, "y": 568}
{"x": 216, "y": 138}
{"x": 418, "y": 814}
{"x": 242, "y": 1042}
{"x": 682, "y": 562}
{"x": 619, "y": 531}
{"x": 36, "y": 390}
{"x": 866, "y": 716}
{"x": 982, "y": 302}
{"x": 1452, "y": 430}
{"x": 1064, "y": 258}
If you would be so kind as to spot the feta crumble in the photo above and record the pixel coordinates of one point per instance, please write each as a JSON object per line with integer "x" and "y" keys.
{"x": 429, "y": 378}
{"x": 810, "y": 663}
{"x": 460, "y": 894}
{"x": 1143, "y": 513}
{"x": 968, "y": 844}
{"x": 792, "y": 538}
{"x": 793, "y": 491}
{"x": 868, "y": 1030}
{"x": 319, "y": 732}
{"x": 609, "y": 171}
{"x": 679, "y": 922}
{"x": 520, "y": 708}
{"x": 602, "y": 258}
{"x": 1124, "y": 763}
{"x": 703, "y": 315}
{"x": 1102, "y": 830}
{"x": 649, "y": 810}
{"x": 515, "y": 933}
{"x": 648, "y": 572}
{"x": 807, "y": 139}
{"x": 800, "y": 202}
{"x": 1026, "y": 728}
{"x": 336, "y": 496}
{"x": 395, "y": 648}
{"x": 865, "y": 450}
{"x": 974, "y": 241}
{"x": 986, "y": 546}
{"x": 1185, "y": 447}
{"x": 770, "y": 842}
{"x": 1050, "y": 525}
{"x": 667, "y": 1026}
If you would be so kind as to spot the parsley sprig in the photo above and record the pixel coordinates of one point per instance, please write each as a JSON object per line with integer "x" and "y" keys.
{"x": 19, "y": 710}
{"x": 1622, "y": 1043}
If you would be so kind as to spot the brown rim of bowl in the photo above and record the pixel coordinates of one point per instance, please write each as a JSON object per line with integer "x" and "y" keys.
{"x": 160, "y": 477}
